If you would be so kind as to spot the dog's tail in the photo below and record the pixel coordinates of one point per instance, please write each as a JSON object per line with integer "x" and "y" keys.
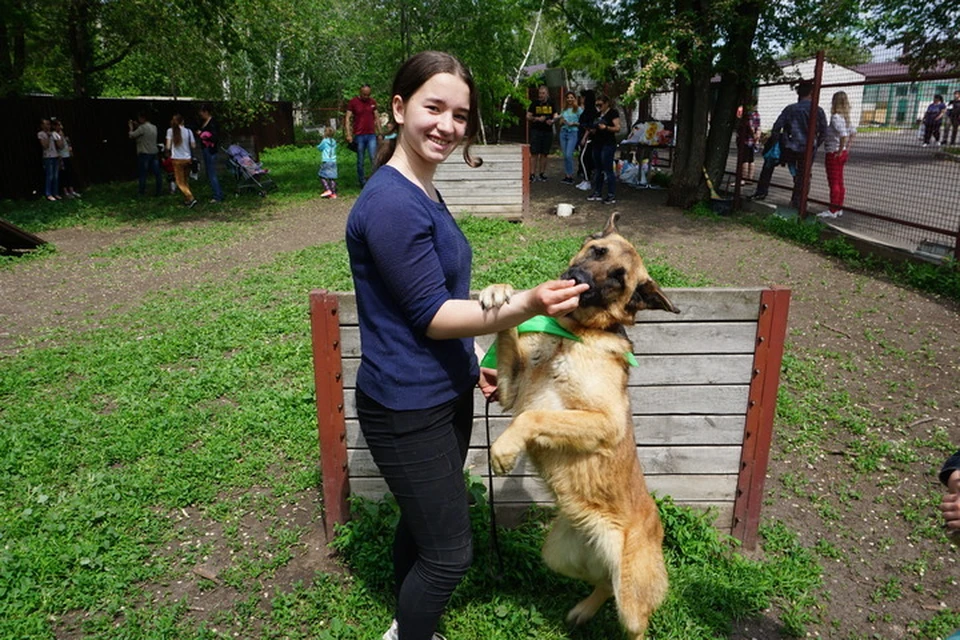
{"x": 642, "y": 584}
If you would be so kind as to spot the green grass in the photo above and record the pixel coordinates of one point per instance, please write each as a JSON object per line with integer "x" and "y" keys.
{"x": 711, "y": 585}
{"x": 202, "y": 398}
{"x": 293, "y": 168}
{"x": 939, "y": 279}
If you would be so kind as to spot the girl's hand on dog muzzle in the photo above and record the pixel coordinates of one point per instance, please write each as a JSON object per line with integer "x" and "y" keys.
{"x": 558, "y": 297}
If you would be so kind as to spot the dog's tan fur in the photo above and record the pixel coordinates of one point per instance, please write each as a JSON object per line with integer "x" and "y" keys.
{"x": 572, "y": 417}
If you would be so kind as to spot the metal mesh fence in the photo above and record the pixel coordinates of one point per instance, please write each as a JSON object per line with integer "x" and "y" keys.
{"x": 902, "y": 173}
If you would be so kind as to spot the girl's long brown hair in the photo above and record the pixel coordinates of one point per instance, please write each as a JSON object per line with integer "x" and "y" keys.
{"x": 175, "y": 123}
{"x": 412, "y": 75}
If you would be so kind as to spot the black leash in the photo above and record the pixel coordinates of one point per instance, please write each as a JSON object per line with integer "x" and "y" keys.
{"x": 494, "y": 540}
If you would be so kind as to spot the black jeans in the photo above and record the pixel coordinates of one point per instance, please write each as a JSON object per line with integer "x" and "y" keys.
{"x": 421, "y": 454}
{"x": 148, "y": 162}
{"x": 766, "y": 174}
{"x": 603, "y": 168}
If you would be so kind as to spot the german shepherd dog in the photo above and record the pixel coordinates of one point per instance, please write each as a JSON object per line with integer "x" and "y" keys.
{"x": 572, "y": 417}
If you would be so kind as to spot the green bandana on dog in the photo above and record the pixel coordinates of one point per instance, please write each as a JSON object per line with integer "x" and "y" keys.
{"x": 542, "y": 324}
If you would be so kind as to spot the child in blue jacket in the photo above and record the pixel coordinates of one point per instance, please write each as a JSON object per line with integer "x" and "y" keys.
{"x": 328, "y": 164}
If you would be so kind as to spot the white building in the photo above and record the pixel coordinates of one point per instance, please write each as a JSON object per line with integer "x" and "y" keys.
{"x": 772, "y": 98}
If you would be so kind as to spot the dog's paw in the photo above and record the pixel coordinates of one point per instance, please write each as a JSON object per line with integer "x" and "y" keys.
{"x": 495, "y": 296}
{"x": 503, "y": 455}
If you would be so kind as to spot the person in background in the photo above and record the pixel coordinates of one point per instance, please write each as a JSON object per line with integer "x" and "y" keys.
{"x": 50, "y": 144}
{"x": 328, "y": 164}
{"x": 180, "y": 145}
{"x": 209, "y": 144}
{"x": 587, "y": 116}
{"x": 569, "y": 134}
{"x": 953, "y": 118}
{"x": 791, "y": 131}
{"x": 411, "y": 267}
{"x": 840, "y": 133}
{"x": 748, "y": 137}
{"x": 145, "y": 133}
{"x": 604, "y": 133}
{"x": 933, "y": 119}
{"x": 66, "y": 166}
{"x": 541, "y": 115}
{"x": 361, "y": 123}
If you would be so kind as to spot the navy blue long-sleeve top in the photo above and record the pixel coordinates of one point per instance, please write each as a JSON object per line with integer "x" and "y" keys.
{"x": 408, "y": 257}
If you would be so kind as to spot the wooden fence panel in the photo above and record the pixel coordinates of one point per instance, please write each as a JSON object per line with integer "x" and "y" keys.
{"x": 702, "y": 398}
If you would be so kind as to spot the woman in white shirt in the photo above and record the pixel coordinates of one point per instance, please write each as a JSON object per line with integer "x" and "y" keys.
{"x": 50, "y": 143}
{"x": 837, "y": 145}
{"x": 181, "y": 142}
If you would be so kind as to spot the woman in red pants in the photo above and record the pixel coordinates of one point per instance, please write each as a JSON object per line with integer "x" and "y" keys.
{"x": 840, "y": 134}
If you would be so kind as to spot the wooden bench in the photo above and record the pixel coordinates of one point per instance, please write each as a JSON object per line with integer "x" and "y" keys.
{"x": 703, "y": 398}
{"x": 500, "y": 187}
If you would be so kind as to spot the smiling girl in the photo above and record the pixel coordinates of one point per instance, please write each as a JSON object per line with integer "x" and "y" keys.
{"x": 411, "y": 271}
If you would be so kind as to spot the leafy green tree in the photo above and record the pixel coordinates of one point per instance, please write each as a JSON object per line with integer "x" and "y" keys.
{"x": 925, "y": 32}
{"x": 845, "y": 49}
{"x": 684, "y": 44}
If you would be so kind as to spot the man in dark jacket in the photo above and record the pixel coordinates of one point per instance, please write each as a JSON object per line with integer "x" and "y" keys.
{"x": 792, "y": 132}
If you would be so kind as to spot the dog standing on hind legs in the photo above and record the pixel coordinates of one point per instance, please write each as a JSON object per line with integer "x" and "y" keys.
{"x": 572, "y": 418}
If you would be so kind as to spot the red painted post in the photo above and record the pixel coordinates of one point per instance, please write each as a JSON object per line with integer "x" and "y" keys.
{"x": 761, "y": 411}
{"x": 812, "y": 123}
{"x": 331, "y": 422}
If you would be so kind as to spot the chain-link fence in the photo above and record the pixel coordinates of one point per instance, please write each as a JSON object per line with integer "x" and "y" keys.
{"x": 901, "y": 175}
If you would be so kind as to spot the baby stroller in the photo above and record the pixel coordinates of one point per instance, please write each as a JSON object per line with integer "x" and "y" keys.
{"x": 249, "y": 174}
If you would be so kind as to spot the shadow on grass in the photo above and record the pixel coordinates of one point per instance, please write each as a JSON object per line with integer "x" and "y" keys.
{"x": 711, "y": 587}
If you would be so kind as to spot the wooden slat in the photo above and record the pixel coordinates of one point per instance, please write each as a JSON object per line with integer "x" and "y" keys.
{"x": 660, "y": 338}
{"x": 497, "y": 198}
{"x": 671, "y": 400}
{"x": 648, "y": 430}
{"x": 501, "y": 167}
{"x": 497, "y": 188}
{"x": 530, "y": 489}
{"x": 695, "y": 304}
{"x": 654, "y": 370}
{"x": 708, "y": 304}
{"x": 655, "y": 460}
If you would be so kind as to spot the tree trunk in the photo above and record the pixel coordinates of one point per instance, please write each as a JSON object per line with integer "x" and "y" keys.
{"x": 687, "y": 185}
{"x": 736, "y": 85}
{"x": 79, "y": 44}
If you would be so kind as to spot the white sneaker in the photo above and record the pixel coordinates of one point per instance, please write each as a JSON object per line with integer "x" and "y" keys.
{"x": 826, "y": 214}
{"x": 393, "y": 633}
{"x": 838, "y": 213}
{"x": 586, "y": 185}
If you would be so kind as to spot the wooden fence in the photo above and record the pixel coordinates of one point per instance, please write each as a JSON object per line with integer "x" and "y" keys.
{"x": 703, "y": 403}
{"x": 499, "y": 187}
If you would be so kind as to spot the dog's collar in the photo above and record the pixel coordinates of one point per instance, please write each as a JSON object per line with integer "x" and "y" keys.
{"x": 543, "y": 324}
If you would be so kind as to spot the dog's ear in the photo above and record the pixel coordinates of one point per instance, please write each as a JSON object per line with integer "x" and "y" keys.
{"x": 611, "y": 225}
{"x": 648, "y": 295}
{"x": 607, "y": 230}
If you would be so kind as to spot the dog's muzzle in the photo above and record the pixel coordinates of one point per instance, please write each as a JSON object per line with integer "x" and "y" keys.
{"x": 590, "y": 297}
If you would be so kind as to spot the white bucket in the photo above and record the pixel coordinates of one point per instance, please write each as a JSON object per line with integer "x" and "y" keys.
{"x": 564, "y": 210}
